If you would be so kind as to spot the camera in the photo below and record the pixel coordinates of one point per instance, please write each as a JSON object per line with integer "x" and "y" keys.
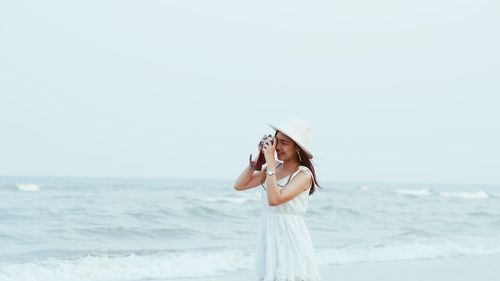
{"x": 261, "y": 159}
{"x": 261, "y": 144}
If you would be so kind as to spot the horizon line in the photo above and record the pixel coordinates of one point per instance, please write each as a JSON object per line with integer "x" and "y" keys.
{"x": 230, "y": 179}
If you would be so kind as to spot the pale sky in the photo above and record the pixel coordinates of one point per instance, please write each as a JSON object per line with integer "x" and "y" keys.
{"x": 395, "y": 91}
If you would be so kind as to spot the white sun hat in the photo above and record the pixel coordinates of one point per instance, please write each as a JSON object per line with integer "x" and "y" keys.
{"x": 298, "y": 130}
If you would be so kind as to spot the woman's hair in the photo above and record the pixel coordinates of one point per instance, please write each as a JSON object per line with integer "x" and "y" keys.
{"x": 305, "y": 161}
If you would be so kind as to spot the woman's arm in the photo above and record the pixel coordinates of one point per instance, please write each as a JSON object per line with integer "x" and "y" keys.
{"x": 298, "y": 184}
{"x": 273, "y": 193}
{"x": 249, "y": 178}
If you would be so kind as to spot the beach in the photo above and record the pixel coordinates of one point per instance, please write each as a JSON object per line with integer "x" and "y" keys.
{"x": 466, "y": 268}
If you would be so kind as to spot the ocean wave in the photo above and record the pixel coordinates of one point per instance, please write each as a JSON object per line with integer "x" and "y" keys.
{"x": 150, "y": 265}
{"x": 494, "y": 195}
{"x": 364, "y": 188}
{"x": 412, "y": 234}
{"x": 413, "y": 192}
{"x": 482, "y": 214}
{"x": 110, "y": 232}
{"x": 176, "y": 232}
{"x": 206, "y": 212}
{"x": 466, "y": 195}
{"x": 133, "y": 266}
{"x": 411, "y": 248}
{"x": 231, "y": 199}
{"x": 341, "y": 211}
{"x": 27, "y": 187}
{"x": 120, "y": 232}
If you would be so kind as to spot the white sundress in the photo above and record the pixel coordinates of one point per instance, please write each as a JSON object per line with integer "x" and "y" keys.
{"x": 284, "y": 247}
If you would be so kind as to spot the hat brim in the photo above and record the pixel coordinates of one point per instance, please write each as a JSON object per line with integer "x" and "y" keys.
{"x": 306, "y": 150}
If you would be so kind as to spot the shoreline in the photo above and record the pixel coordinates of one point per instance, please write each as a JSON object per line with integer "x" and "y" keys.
{"x": 461, "y": 268}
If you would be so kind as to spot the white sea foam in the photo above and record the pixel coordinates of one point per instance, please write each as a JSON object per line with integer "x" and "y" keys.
{"x": 228, "y": 199}
{"x": 130, "y": 267}
{"x": 364, "y": 187}
{"x": 27, "y": 187}
{"x": 413, "y": 192}
{"x": 466, "y": 195}
{"x": 423, "y": 248}
{"x": 232, "y": 199}
{"x": 200, "y": 263}
{"x": 493, "y": 194}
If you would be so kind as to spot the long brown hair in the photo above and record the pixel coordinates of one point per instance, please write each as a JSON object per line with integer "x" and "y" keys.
{"x": 305, "y": 161}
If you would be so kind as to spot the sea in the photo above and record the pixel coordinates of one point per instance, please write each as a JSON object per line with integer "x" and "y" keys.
{"x": 108, "y": 229}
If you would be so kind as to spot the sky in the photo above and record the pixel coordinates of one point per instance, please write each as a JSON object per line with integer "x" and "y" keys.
{"x": 394, "y": 91}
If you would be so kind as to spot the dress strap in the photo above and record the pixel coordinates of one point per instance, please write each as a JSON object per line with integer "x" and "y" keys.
{"x": 303, "y": 169}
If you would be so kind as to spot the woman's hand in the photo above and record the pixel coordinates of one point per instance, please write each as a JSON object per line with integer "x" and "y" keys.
{"x": 269, "y": 149}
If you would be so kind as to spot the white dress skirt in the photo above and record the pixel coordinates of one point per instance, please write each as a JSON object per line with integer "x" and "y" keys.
{"x": 284, "y": 247}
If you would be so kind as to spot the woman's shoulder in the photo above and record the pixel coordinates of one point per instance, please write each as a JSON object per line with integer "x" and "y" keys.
{"x": 304, "y": 169}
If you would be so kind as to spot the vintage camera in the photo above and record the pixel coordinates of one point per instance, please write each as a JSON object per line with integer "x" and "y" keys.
{"x": 261, "y": 159}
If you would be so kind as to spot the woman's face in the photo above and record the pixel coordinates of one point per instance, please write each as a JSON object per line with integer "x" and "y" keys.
{"x": 285, "y": 147}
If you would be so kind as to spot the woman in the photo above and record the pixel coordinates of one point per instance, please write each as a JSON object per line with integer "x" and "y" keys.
{"x": 284, "y": 248}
